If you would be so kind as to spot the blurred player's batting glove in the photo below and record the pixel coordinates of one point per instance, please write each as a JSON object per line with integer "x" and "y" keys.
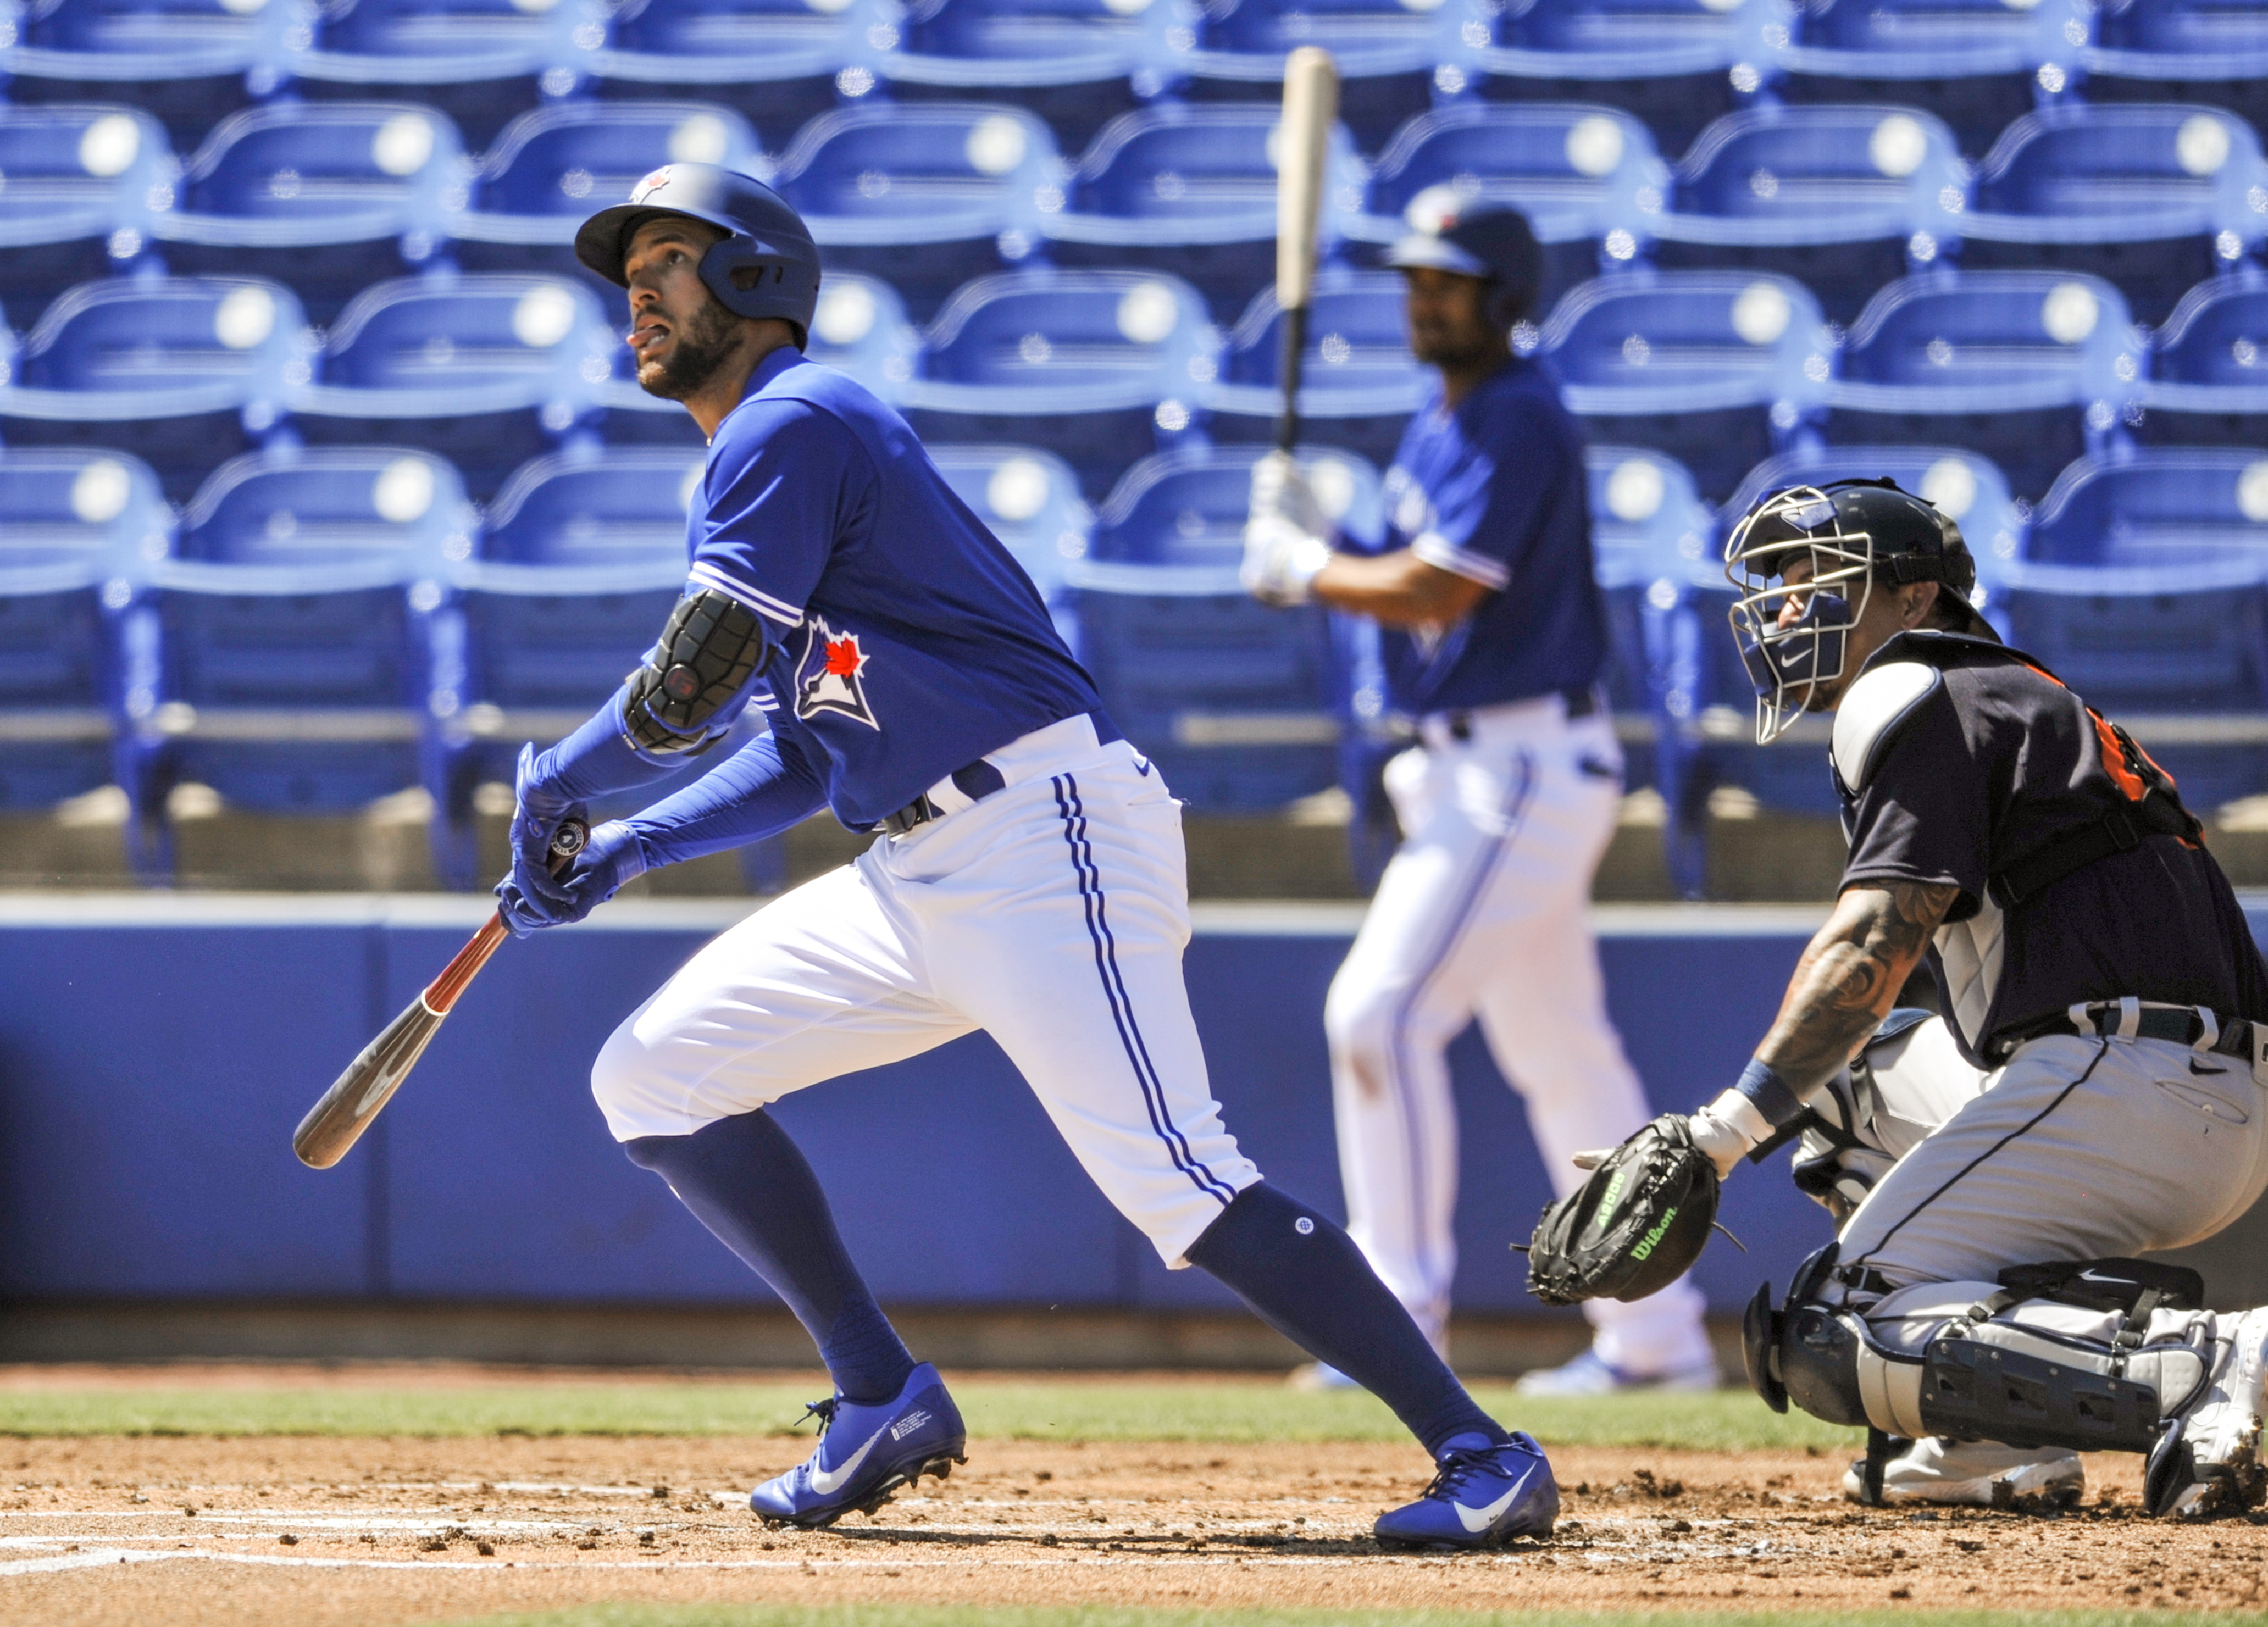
{"x": 1635, "y": 1224}
{"x": 867, "y": 1452}
{"x": 612, "y": 856}
{"x": 539, "y": 810}
{"x": 1287, "y": 534}
{"x": 1483, "y": 1496}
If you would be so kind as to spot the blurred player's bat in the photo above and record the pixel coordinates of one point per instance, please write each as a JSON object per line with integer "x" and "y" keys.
{"x": 1311, "y": 104}
{"x": 334, "y": 1123}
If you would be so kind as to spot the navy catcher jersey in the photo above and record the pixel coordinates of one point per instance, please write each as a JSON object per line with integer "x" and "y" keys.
{"x": 908, "y": 643}
{"x": 1495, "y": 491}
{"x": 1995, "y": 764}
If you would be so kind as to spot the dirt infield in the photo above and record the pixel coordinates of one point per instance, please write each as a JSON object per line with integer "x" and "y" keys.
{"x": 301, "y": 1532}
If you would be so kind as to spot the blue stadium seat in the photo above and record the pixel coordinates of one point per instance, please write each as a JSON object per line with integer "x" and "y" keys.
{"x": 453, "y": 42}
{"x": 1038, "y": 43}
{"x": 297, "y": 613}
{"x": 1080, "y": 362}
{"x": 1610, "y": 39}
{"x": 741, "y": 41}
{"x": 1710, "y": 366}
{"x": 1840, "y": 197}
{"x": 2020, "y": 365}
{"x": 294, "y": 174}
{"x": 77, "y": 527}
{"x": 1579, "y": 171}
{"x": 1173, "y": 175}
{"x": 1192, "y": 190}
{"x": 580, "y": 557}
{"x": 1938, "y": 39}
{"x": 1029, "y": 499}
{"x": 127, "y": 41}
{"x": 487, "y": 366}
{"x": 860, "y": 328}
{"x": 178, "y": 370}
{"x": 1247, "y": 40}
{"x": 2176, "y": 40}
{"x": 1359, "y": 381}
{"x": 79, "y": 172}
{"x": 2208, "y": 377}
{"x": 1232, "y": 699}
{"x": 2188, "y": 181}
{"x": 2142, "y": 587}
{"x": 553, "y": 167}
{"x": 888, "y": 173}
{"x": 923, "y": 194}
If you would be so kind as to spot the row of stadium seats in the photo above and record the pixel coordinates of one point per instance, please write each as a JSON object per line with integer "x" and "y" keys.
{"x": 1718, "y": 368}
{"x": 1167, "y": 178}
{"x": 320, "y": 629}
{"x": 1027, "y": 42}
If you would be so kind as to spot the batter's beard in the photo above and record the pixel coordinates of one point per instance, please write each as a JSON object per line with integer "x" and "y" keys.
{"x": 703, "y": 346}
{"x": 1464, "y": 351}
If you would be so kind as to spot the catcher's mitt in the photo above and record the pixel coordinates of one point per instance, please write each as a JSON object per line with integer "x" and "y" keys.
{"x": 1633, "y": 1228}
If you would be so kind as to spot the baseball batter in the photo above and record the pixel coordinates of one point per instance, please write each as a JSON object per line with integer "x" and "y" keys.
{"x": 1494, "y": 639}
{"x": 1978, "y": 1311}
{"x": 1027, "y": 876}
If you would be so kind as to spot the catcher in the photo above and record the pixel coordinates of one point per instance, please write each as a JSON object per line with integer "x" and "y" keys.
{"x": 1976, "y": 1313}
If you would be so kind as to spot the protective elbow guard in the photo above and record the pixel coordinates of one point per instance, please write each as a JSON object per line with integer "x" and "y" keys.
{"x": 696, "y": 681}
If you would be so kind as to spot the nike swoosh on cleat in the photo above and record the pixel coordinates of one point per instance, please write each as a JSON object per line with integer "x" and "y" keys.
{"x": 1479, "y": 1520}
{"x": 826, "y": 1482}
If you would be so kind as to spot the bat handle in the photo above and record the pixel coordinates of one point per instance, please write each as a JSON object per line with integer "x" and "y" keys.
{"x": 1288, "y": 370}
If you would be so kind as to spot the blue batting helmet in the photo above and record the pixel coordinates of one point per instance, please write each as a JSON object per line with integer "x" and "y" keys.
{"x": 764, "y": 236}
{"x": 1491, "y": 241}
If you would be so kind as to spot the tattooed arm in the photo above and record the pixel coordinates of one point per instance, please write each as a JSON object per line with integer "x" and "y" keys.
{"x": 1844, "y": 985}
{"x": 1842, "y": 988}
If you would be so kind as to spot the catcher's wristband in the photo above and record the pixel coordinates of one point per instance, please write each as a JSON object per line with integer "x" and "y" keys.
{"x": 1773, "y": 1098}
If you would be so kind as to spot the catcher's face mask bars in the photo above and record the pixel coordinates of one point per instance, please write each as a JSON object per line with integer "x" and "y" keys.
{"x": 1793, "y": 637}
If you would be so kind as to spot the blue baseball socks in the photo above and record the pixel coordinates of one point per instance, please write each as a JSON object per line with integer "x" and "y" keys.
{"x": 1305, "y": 1277}
{"x": 747, "y": 1182}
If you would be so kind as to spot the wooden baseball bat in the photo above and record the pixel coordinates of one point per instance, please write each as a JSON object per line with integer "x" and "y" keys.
{"x": 1311, "y": 104}
{"x": 355, "y": 1098}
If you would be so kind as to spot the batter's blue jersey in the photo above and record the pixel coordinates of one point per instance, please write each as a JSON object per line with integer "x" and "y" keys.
{"x": 1495, "y": 491}
{"x": 908, "y": 642}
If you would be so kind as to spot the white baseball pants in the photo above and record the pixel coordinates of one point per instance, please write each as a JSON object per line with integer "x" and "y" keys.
{"x": 1052, "y": 914}
{"x": 1481, "y": 913}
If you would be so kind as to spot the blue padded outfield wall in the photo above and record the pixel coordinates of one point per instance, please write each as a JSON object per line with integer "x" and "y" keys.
{"x": 156, "y": 1054}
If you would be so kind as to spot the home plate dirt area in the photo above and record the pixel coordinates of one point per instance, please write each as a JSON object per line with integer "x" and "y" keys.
{"x": 297, "y": 1531}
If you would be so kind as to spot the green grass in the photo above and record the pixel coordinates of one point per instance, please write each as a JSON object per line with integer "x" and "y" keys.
{"x": 1104, "y": 1615}
{"x": 1025, "y": 1410}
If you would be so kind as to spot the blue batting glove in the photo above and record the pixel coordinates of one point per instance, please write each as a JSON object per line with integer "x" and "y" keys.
{"x": 612, "y": 858}
{"x": 539, "y": 809}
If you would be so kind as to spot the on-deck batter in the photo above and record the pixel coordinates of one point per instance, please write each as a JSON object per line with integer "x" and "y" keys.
{"x": 1494, "y": 641}
{"x": 1026, "y": 877}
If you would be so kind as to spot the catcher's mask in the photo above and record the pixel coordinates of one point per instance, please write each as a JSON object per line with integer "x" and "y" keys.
{"x": 1850, "y": 535}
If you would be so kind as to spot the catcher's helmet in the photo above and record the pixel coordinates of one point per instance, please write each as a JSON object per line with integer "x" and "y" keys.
{"x": 1849, "y": 532}
{"x": 765, "y": 236}
{"x": 1491, "y": 241}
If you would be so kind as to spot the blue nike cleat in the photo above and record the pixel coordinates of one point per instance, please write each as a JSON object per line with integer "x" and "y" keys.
{"x": 866, "y": 1453}
{"x": 1484, "y": 1495}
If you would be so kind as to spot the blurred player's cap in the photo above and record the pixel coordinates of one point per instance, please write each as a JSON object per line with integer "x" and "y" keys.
{"x": 1491, "y": 241}
{"x": 766, "y": 265}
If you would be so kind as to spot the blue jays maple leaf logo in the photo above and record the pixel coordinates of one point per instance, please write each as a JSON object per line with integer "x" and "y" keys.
{"x": 827, "y": 679}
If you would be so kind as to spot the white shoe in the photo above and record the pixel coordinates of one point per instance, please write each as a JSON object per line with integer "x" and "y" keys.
{"x": 1976, "y": 1474}
{"x": 2209, "y": 1462}
{"x": 1316, "y": 1376}
{"x": 1592, "y": 1374}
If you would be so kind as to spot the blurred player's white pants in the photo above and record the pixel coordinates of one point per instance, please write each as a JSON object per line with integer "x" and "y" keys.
{"x": 1482, "y": 914}
{"x": 1052, "y": 914}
